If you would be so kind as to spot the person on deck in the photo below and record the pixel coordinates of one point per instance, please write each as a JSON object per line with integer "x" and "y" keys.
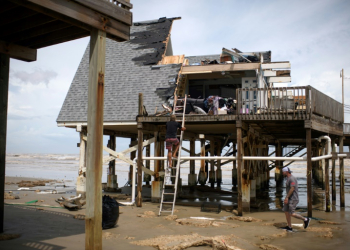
{"x": 171, "y": 139}
{"x": 291, "y": 200}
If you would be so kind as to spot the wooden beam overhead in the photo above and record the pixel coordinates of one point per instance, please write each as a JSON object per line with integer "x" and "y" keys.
{"x": 219, "y": 68}
{"x": 277, "y": 79}
{"x": 15, "y": 15}
{"x": 18, "y": 52}
{"x": 26, "y": 24}
{"x": 78, "y": 15}
{"x": 276, "y": 65}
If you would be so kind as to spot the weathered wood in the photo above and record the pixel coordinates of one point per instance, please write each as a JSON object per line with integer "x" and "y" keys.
{"x": 192, "y": 153}
{"x": 133, "y": 142}
{"x": 212, "y": 165}
{"x": 82, "y": 153}
{"x": 309, "y": 172}
{"x": 334, "y": 190}
{"x": 4, "y": 89}
{"x": 219, "y": 68}
{"x": 277, "y": 79}
{"x": 18, "y": 52}
{"x": 80, "y": 16}
{"x": 326, "y": 170}
{"x": 239, "y": 170}
{"x": 275, "y": 65}
{"x": 147, "y": 177}
{"x": 341, "y": 172}
{"x": 139, "y": 165}
{"x": 93, "y": 219}
{"x": 156, "y": 153}
{"x": 109, "y": 9}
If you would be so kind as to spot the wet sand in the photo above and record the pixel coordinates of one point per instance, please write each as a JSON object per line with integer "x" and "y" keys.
{"x": 45, "y": 225}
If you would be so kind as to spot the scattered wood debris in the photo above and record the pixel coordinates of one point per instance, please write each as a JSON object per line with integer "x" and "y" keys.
{"x": 269, "y": 247}
{"x": 245, "y": 219}
{"x": 178, "y": 242}
{"x": 203, "y": 223}
{"x": 74, "y": 203}
{"x": 171, "y": 217}
{"x": 8, "y": 196}
{"x": 147, "y": 214}
{"x": 129, "y": 238}
{"x": 32, "y": 183}
{"x": 108, "y": 236}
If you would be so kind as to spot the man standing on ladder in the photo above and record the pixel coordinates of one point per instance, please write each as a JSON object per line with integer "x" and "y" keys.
{"x": 171, "y": 138}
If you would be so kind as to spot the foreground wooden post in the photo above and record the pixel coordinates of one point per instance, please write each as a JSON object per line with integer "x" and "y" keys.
{"x": 309, "y": 172}
{"x": 341, "y": 172}
{"x": 334, "y": 190}
{"x": 147, "y": 177}
{"x": 4, "y": 85}
{"x": 326, "y": 169}
{"x": 239, "y": 170}
{"x": 93, "y": 220}
{"x": 139, "y": 155}
{"x": 202, "y": 175}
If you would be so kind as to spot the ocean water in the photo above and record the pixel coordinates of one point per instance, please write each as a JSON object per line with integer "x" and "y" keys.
{"x": 65, "y": 167}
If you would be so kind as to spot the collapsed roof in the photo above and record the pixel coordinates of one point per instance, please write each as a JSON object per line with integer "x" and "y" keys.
{"x": 131, "y": 68}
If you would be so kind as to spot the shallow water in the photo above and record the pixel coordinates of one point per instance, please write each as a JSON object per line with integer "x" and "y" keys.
{"x": 65, "y": 167}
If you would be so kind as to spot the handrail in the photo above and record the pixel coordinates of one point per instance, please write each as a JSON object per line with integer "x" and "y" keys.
{"x": 286, "y": 103}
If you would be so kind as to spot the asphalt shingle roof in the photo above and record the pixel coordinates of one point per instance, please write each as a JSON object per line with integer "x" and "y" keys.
{"x": 130, "y": 69}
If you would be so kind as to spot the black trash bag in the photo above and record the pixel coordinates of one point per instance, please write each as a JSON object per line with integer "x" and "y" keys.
{"x": 110, "y": 212}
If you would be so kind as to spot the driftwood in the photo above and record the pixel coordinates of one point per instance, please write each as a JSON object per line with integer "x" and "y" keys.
{"x": 74, "y": 203}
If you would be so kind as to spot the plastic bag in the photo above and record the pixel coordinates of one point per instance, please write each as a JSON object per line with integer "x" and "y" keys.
{"x": 110, "y": 212}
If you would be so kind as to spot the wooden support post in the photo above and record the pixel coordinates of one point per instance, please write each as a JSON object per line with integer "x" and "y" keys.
{"x": 218, "y": 165}
{"x": 161, "y": 147}
{"x": 192, "y": 153}
{"x": 147, "y": 177}
{"x": 81, "y": 179}
{"x": 202, "y": 175}
{"x": 192, "y": 177}
{"x": 112, "y": 184}
{"x": 279, "y": 165}
{"x": 212, "y": 165}
{"x": 239, "y": 170}
{"x": 93, "y": 218}
{"x": 326, "y": 169}
{"x": 133, "y": 142}
{"x": 157, "y": 151}
{"x": 309, "y": 172}
{"x": 139, "y": 154}
{"x": 334, "y": 190}
{"x": 234, "y": 169}
{"x": 341, "y": 172}
{"x": 4, "y": 89}
{"x": 139, "y": 165}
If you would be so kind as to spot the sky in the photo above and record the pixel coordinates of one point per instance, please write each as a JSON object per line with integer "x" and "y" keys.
{"x": 313, "y": 35}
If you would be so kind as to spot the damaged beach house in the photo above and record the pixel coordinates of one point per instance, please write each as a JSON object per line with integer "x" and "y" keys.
{"x": 224, "y": 100}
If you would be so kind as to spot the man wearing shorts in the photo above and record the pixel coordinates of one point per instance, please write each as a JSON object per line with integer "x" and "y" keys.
{"x": 171, "y": 139}
{"x": 291, "y": 200}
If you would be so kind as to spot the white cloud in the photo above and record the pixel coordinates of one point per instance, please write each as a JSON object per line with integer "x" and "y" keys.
{"x": 36, "y": 77}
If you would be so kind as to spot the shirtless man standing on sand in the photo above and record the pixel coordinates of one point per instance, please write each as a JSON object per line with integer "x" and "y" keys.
{"x": 171, "y": 139}
{"x": 291, "y": 200}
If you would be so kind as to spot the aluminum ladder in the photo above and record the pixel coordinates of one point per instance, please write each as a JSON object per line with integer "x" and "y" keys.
{"x": 168, "y": 174}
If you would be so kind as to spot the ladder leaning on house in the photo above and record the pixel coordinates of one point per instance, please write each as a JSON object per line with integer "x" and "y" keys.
{"x": 168, "y": 174}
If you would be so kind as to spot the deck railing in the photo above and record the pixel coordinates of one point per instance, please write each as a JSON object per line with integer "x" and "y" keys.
{"x": 288, "y": 103}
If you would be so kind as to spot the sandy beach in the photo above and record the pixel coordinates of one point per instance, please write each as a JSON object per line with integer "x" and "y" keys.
{"x": 46, "y": 225}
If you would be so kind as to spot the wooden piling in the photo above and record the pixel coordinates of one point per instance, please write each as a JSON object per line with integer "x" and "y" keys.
{"x": 234, "y": 169}
{"x": 309, "y": 172}
{"x": 139, "y": 154}
{"x": 4, "y": 86}
{"x": 156, "y": 153}
{"x": 147, "y": 177}
{"x": 334, "y": 190}
{"x": 212, "y": 165}
{"x": 341, "y": 172}
{"x": 192, "y": 153}
{"x": 133, "y": 142}
{"x": 326, "y": 169}
{"x": 93, "y": 214}
{"x": 239, "y": 169}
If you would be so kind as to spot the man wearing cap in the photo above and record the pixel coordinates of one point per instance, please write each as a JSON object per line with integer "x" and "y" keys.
{"x": 291, "y": 200}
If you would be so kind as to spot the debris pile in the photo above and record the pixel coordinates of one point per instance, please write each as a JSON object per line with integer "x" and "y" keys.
{"x": 73, "y": 203}
{"x": 178, "y": 242}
